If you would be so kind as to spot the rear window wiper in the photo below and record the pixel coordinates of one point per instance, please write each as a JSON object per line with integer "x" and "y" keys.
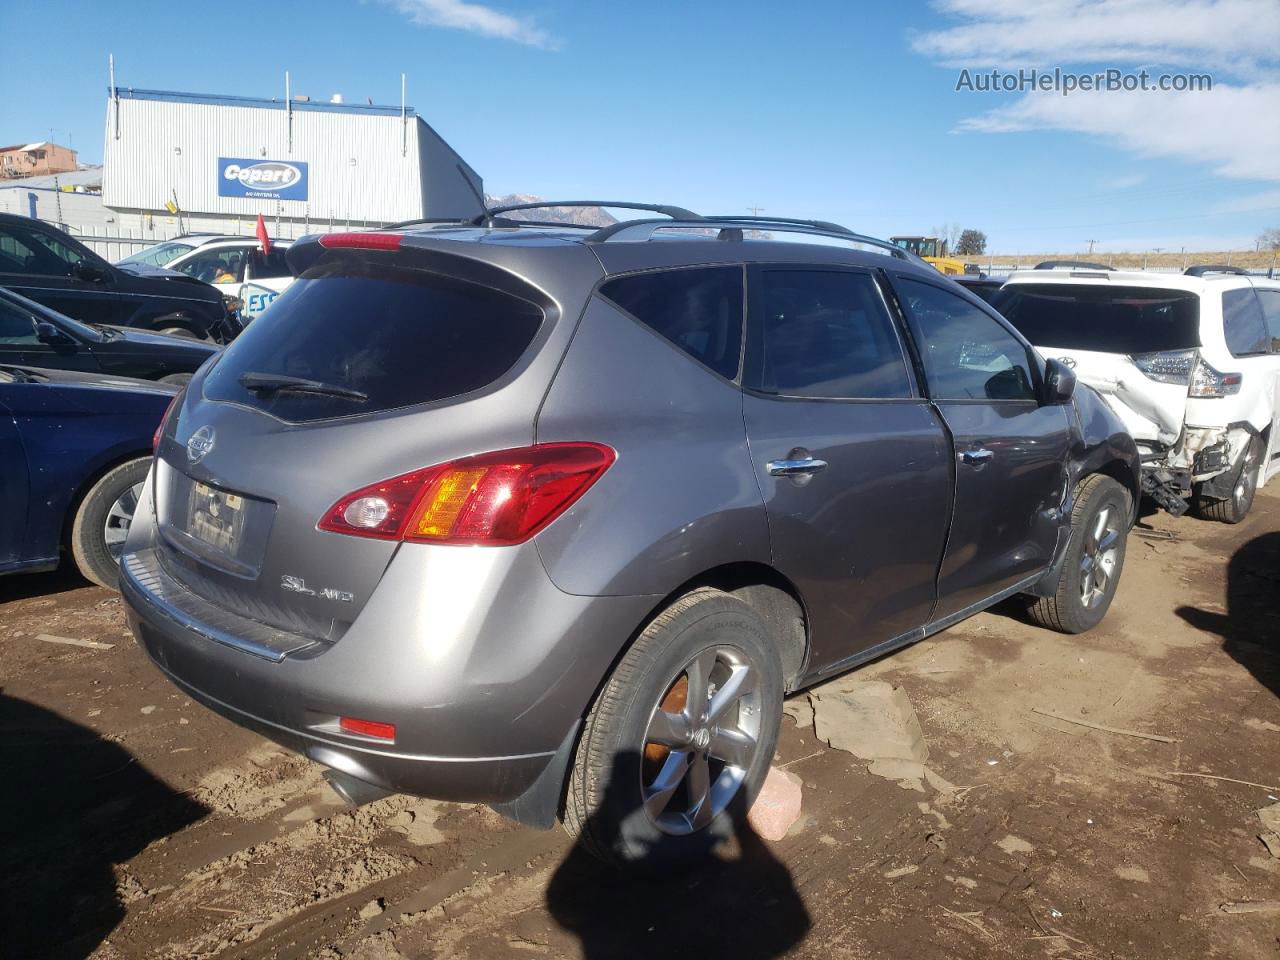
{"x": 282, "y": 383}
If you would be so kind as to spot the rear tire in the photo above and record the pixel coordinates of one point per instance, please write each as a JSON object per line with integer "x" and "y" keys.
{"x": 1091, "y": 570}
{"x": 1236, "y": 507}
{"x": 103, "y": 520}
{"x": 650, "y": 784}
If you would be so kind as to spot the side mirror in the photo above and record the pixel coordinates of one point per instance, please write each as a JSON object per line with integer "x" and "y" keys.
{"x": 46, "y": 332}
{"x": 90, "y": 272}
{"x": 1059, "y": 382}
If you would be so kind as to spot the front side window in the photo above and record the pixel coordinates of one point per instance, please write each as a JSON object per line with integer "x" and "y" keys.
{"x": 216, "y": 266}
{"x": 1270, "y": 300}
{"x": 698, "y": 310}
{"x": 823, "y": 334}
{"x": 967, "y": 355}
{"x": 32, "y": 253}
{"x": 16, "y": 325}
{"x": 1243, "y": 324}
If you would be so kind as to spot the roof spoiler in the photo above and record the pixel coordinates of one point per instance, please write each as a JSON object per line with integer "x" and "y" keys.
{"x": 1071, "y": 265}
{"x": 1206, "y": 268}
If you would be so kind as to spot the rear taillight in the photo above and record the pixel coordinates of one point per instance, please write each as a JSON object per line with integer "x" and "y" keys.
{"x": 361, "y": 241}
{"x": 1208, "y": 382}
{"x": 495, "y": 499}
{"x": 155, "y": 437}
{"x": 1170, "y": 366}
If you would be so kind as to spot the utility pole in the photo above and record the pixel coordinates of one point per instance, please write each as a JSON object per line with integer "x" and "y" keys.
{"x": 755, "y": 211}
{"x": 1091, "y": 243}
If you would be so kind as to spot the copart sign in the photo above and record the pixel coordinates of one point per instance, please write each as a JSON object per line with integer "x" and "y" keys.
{"x": 262, "y": 179}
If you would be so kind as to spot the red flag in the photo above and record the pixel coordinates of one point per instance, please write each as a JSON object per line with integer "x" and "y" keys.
{"x": 263, "y": 239}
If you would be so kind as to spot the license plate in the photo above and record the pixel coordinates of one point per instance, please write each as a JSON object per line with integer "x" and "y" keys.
{"x": 217, "y": 517}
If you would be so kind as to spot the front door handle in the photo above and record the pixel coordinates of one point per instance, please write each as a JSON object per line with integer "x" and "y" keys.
{"x": 977, "y": 457}
{"x": 795, "y": 468}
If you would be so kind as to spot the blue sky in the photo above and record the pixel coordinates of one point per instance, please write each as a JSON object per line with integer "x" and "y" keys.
{"x": 840, "y": 110}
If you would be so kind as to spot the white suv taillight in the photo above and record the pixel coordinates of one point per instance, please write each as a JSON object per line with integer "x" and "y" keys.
{"x": 1168, "y": 366}
{"x": 1208, "y": 382}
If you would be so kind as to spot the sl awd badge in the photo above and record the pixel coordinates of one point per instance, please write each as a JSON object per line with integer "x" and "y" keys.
{"x": 299, "y": 585}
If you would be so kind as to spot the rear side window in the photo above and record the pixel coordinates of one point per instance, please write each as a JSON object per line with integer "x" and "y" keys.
{"x": 823, "y": 334}
{"x": 268, "y": 265}
{"x": 966, "y": 354}
{"x": 1243, "y": 324}
{"x": 394, "y": 335}
{"x": 698, "y": 310}
{"x": 1270, "y": 300}
{"x": 1101, "y": 317}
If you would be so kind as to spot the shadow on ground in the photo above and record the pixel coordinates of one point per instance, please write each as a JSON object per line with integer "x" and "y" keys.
{"x": 74, "y": 805}
{"x": 1251, "y": 625}
{"x": 23, "y": 586}
{"x": 738, "y": 900}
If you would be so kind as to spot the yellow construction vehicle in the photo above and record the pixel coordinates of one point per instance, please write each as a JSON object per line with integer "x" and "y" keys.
{"x": 933, "y": 251}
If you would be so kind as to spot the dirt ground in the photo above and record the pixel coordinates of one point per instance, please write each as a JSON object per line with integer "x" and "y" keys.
{"x": 135, "y": 824}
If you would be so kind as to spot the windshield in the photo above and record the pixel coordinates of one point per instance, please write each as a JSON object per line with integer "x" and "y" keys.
{"x": 1101, "y": 317}
{"x": 158, "y": 255}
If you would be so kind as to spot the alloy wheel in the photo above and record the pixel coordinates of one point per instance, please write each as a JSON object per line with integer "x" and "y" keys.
{"x": 1098, "y": 559}
{"x": 701, "y": 740}
{"x": 119, "y": 519}
{"x": 1243, "y": 492}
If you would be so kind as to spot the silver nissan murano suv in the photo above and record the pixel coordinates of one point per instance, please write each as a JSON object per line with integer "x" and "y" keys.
{"x": 553, "y": 517}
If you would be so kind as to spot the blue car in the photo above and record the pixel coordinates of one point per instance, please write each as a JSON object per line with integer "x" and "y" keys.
{"x": 75, "y": 449}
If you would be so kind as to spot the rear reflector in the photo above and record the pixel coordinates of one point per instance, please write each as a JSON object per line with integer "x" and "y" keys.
{"x": 361, "y": 241}
{"x": 494, "y": 499}
{"x": 368, "y": 728}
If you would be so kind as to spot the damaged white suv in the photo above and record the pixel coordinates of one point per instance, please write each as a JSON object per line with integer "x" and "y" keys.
{"x": 1190, "y": 362}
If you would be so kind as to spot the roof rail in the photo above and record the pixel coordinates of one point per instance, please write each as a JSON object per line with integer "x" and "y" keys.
{"x": 1071, "y": 265}
{"x": 492, "y": 214}
{"x": 1201, "y": 270}
{"x": 820, "y": 224}
{"x": 639, "y": 231}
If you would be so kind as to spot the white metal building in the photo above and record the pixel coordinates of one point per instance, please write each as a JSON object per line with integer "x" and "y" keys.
{"x": 304, "y": 165}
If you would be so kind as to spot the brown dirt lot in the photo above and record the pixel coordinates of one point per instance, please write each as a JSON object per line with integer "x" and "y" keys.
{"x": 136, "y": 824}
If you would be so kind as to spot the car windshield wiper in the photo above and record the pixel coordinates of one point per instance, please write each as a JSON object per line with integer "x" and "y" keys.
{"x": 280, "y": 383}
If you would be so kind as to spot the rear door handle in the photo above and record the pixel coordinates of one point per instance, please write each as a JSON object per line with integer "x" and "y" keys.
{"x": 795, "y": 468}
{"x": 977, "y": 457}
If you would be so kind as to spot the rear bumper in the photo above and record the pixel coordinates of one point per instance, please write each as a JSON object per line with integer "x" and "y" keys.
{"x": 480, "y": 662}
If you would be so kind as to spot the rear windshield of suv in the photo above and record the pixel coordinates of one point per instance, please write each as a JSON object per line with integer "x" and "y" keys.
{"x": 1108, "y": 319}
{"x": 374, "y": 338}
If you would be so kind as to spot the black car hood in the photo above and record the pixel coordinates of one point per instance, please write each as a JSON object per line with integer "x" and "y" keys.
{"x": 145, "y": 271}
{"x": 44, "y": 375}
{"x": 127, "y": 336}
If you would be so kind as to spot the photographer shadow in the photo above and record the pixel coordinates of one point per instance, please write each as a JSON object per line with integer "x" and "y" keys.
{"x": 734, "y": 899}
{"x": 74, "y": 806}
{"x": 1250, "y": 628}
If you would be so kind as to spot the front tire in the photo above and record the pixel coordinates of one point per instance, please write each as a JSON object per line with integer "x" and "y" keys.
{"x": 103, "y": 519}
{"x": 1100, "y": 523}
{"x": 1237, "y": 506}
{"x": 681, "y": 736}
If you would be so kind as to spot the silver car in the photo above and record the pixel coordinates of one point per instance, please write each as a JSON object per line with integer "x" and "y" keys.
{"x": 553, "y": 517}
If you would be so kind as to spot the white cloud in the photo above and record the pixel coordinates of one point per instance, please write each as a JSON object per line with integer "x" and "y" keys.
{"x": 475, "y": 18}
{"x": 1236, "y": 37}
{"x": 1233, "y": 130}
{"x": 1125, "y": 182}
{"x": 1266, "y": 202}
